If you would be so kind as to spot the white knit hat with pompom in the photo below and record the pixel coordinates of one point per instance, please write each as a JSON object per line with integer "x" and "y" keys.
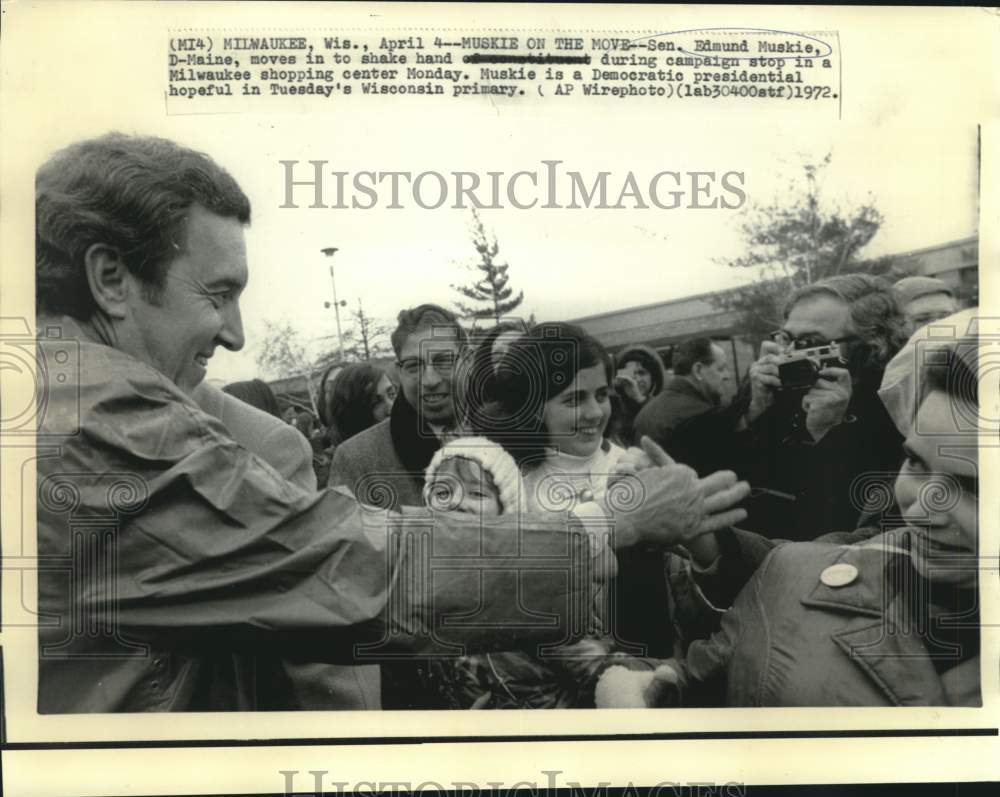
{"x": 493, "y": 460}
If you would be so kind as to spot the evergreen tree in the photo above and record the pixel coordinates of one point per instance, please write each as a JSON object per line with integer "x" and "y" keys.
{"x": 490, "y": 291}
{"x": 795, "y": 242}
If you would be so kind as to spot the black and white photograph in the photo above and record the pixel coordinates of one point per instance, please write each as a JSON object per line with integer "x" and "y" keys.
{"x": 497, "y": 397}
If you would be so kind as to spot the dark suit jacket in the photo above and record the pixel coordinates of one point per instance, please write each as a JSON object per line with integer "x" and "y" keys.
{"x": 678, "y": 401}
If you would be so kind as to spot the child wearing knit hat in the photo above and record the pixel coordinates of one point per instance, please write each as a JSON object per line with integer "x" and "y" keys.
{"x": 474, "y": 475}
{"x": 477, "y": 476}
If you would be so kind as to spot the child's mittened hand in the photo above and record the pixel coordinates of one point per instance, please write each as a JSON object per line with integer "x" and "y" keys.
{"x": 633, "y": 460}
{"x": 619, "y": 687}
{"x": 664, "y": 689}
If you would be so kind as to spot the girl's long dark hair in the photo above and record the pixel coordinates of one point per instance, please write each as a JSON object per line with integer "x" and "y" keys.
{"x": 537, "y": 367}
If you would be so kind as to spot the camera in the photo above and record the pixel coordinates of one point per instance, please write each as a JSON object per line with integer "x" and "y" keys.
{"x": 799, "y": 368}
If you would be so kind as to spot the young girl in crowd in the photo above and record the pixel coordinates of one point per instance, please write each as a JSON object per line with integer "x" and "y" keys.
{"x": 476, "y": 476}
{"x": 552, "y": 412}
{"x": 552, "y": 407}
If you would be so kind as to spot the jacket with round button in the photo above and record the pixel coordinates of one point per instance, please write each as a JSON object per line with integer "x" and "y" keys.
{"x": 822, "y": 625}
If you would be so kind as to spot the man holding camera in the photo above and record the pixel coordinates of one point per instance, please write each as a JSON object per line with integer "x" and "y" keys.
{"x": 810, "y": 434}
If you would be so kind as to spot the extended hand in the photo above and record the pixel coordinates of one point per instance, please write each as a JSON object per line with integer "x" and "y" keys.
{"x": 670, "y": 505}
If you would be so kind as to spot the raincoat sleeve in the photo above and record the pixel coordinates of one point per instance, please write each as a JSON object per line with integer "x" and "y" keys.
{"x": 192, "y": 540}
{"x": 702, "y": 673}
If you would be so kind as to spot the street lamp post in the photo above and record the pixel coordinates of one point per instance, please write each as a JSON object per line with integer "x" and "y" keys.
{"x": 329, "y": 252}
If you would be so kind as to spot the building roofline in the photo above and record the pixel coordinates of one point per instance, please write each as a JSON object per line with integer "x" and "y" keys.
{"x": 946, "y": 245}
{"x": 651, "y": 305}
{"x": 898, "y": 255}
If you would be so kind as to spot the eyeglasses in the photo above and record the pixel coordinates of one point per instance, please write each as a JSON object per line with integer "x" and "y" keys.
{"x": 443, "y": 362}
{"x": 808, "y": 341}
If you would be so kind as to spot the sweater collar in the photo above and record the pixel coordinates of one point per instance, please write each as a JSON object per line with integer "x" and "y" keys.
{"x": 572, "y": 463}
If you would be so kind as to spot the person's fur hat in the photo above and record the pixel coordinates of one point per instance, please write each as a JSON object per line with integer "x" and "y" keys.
{"x": 493, "y": 460}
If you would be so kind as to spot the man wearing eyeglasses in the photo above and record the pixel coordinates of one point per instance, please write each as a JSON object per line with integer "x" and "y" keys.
{"x": 384, "y": 465}
{"x": 815, "y": 450}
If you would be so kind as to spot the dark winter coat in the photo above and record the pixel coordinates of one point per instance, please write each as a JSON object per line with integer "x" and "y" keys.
{"x": 680, "y": 401}
{"x": 801, "y": 489}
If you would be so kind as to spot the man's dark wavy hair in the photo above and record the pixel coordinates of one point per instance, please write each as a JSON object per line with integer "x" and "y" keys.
{"x": 875, "y": 313}
{"x": 425, "y": 316}
{"x": 132, "y": 193}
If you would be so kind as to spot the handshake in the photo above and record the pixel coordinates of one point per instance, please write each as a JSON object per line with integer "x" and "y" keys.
{"x": 671, "y": 505}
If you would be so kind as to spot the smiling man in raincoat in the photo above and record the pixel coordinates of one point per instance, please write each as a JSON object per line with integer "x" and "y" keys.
{"x": 174, "y": 562}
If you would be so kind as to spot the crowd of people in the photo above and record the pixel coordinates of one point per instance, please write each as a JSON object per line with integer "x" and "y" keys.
{"x": 741, "y": 542}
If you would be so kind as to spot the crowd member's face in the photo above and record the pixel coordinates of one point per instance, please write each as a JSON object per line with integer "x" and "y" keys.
{"x": 461, "y": 485}
{"x": 925, "y": 309}
{"x": 427, "y": 363}
{"x": 715, "y": 375}
{"x": 937, "y": 492}
{"x": 575, "y": 419}
{"x": 198, "y": 307}
{"x": 825, "y": 318}
{"x": 643, "y": 378}
{"x": 385, "y": 394}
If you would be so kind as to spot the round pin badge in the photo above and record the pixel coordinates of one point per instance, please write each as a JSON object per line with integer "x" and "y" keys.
{"x": 839, "y": 575}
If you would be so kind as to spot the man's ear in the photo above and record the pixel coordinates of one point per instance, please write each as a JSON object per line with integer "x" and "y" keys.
{"x": 108, "y": 279}
{"x": 696, "y": 370}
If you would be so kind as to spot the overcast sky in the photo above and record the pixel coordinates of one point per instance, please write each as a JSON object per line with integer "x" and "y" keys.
{"x": 568, "y": 262}
{"x": 903, "y": 131}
